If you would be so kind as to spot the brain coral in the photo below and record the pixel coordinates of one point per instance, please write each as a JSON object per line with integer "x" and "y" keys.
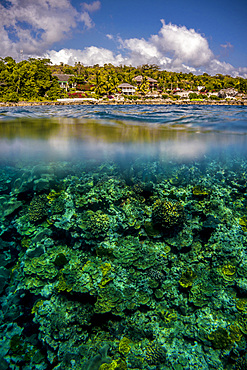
{"x": 95, "y": 224}
{"x": 167, "y": 214}
{"x": 38, "y": 208}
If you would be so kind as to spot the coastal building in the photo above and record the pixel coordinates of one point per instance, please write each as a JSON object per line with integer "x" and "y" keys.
{"x": 183, "y": 94}
{"x": 152, "y": 94}
{"x": 152, "y": 82}
{"x": 127, "y": 89}
{"x": 63, "y": 80}
{"x": 227, "y": 93}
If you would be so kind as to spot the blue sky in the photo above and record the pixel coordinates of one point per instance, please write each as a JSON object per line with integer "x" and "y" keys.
{"x": 189, "y": 36}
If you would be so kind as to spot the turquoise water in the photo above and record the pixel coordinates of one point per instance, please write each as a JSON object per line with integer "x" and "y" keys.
{"x": 123, "y": 237}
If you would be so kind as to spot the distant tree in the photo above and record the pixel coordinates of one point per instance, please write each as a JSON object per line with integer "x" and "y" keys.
{"x": 28, "y": 80}
{"x": 242, "y": 85}
{"x": 99, "y": 81}
{"x": 32, "y": 79}
{"x": 193, "y": 96}
{"x": 69, "y": 70}
{"x": 78, "y": 68}
{"x": 144, "y": 87}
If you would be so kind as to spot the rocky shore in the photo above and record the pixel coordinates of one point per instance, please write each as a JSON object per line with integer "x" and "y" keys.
{"x": 127, "y": 102}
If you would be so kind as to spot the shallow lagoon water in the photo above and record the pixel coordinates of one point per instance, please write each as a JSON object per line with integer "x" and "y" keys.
{"x": 123, "y": 237}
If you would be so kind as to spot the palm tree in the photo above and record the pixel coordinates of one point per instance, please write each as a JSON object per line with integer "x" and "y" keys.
{"x": 144, "y": 87}
{"x": 99, "y": 83}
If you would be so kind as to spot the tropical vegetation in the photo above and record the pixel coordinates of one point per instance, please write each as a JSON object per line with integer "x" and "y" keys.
{"x": 27, "y": 80}
{"x": 34, "y": 80}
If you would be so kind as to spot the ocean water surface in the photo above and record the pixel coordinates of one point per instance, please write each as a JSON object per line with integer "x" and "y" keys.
{"x": 123, "y": 237}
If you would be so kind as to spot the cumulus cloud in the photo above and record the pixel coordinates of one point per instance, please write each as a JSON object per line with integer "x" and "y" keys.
{"x": 33, "y": 26}
{"x": 142, "y": 51}
{"x": 173, "y": 48}
{"x": 89, "y": 56}
{"x": 183, "y": 44}
{"x": 216, "y": 66}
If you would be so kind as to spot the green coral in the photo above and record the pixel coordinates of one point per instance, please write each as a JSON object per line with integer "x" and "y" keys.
{"x": 129, "y": 284}
{"x": 243, "y": 223}
{"x": 167, "y": 214}
{"x": 241, "y": 364}
{"x": 124, "y": 346}
{"x": 202, "y": 291}
{"x": 44, "y": 269}
{"x": 56, "y": 201}
{"x": 38, "y": 208}
{"x": 115, "y": 364}
{"x": 199, "y": 192}
{"x": 62, "y": 285}
{"x": 221, "y": 338}
{"x": 130, "y": 251}
{"x": 100, "y": 195}
{"x": 57, "y": 206}
{"x": 110, "y": 299}
{"x": 63, "y": 320}
{"x": 60, "y": 260}
{"x": 228, "y": 272}
{"x": 241, "y": 304}
{"x": 186, "y": 280}
{"x": 95, "y": 224}
{"x": 155, "y": 354}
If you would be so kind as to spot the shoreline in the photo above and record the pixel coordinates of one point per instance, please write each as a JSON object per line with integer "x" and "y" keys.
{"x": 136, "y": 102}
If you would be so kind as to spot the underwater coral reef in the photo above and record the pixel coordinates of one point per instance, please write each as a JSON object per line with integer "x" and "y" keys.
{"x": 112, "y": 266}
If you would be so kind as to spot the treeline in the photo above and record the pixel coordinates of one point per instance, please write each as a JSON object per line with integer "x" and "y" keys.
{"x": 113, "y": 76}
{"x": 32, "y": 79}
{"x": 28, "y": 80}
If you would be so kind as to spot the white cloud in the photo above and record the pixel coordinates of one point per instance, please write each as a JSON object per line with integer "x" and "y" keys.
{"x": 33, "y": 26}
{"x": 183, "y": 44}
{"x": 89, "y": 8}
{"x": 173, "y": 48}
{"x": 242, "y": 71}
{"x": 92, "y": 7}
{"x": 85, "y": 17}
{"x": 228, "y": 45}
{"x": 142, "y": 51}
{"x": 110, "y": 37}
{"x": 89, "y": 56}
{"x": 215, "y": 66}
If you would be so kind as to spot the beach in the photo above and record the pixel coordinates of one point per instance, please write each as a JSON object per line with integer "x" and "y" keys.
{"x": 126, "y": 102}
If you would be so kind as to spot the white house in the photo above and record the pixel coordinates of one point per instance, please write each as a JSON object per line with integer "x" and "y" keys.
{"x": 127, "y": 89}
{"x": 227, "y": 93}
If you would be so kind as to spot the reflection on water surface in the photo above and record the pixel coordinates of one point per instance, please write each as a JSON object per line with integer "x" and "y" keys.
{"x": 66, "y": 138}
